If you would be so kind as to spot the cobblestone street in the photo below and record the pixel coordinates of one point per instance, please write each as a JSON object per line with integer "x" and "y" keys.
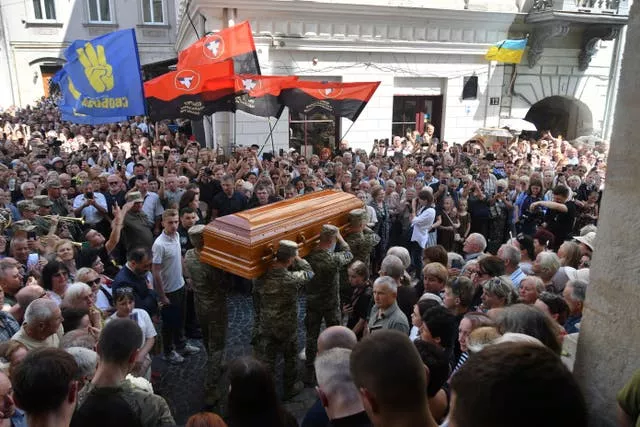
{"x": 182, "y": 385}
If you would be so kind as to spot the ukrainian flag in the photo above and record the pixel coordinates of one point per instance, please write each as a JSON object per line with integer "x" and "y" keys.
{"x": 509, "y": 51}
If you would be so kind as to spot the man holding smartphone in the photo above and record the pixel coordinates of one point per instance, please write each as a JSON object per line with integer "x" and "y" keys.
{"x": 91, "y": 206}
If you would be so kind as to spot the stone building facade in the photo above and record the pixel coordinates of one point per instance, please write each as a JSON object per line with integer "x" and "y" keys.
{"x": 424, "y": 53}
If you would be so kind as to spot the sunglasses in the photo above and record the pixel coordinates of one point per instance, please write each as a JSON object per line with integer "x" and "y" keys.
{"x": 94, "y": 282}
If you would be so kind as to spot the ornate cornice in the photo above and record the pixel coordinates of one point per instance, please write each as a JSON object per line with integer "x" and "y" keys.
{"x": 539, "y": 37}
{"x": 590, "y": 39}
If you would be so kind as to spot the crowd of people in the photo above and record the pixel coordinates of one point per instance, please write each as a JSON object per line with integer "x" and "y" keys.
{"x": 463, "y": 272}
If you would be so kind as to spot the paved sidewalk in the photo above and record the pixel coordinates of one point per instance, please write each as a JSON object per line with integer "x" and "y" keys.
{"x": 182, "y": 385}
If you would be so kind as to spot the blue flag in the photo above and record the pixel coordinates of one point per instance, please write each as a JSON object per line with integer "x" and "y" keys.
{"x": 105, "y": 74}
{"x": 70, "y": 96}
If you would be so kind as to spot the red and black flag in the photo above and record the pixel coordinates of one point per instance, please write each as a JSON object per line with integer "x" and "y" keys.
{"x": 260, "y": 94}
{"x": 340, "y": 99}
{"x": 192, "y": 92}
{"x": 234, "y": 43}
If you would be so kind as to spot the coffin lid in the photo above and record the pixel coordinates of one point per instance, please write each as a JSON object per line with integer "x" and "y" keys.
{"x": 262, "y": 223}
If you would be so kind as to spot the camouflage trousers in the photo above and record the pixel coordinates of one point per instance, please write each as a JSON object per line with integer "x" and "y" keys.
{"x": 270, "y": 345}
{"x": 212, "y": 317}
{"x": 313, "y": 323}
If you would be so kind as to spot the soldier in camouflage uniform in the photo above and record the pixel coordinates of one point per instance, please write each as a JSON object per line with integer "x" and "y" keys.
{"x": 361, "y": 240}
{"x": 278, "y": 328}
{"x": 210, "y": 297}
{"x": 60, "y": 206}
{"x": 43, "y": 225}
{"x": 326, "y": 260}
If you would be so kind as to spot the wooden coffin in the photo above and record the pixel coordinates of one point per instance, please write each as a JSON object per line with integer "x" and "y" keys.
{"x": 245, "y": 243}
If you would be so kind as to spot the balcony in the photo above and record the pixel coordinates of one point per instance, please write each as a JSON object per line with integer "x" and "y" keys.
{"x": 595, "y": 19}
{"x": 610, "y": 7}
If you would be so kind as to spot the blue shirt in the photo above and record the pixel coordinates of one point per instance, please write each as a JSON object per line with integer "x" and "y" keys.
{"x": 516, "y": 278}
{"x": 570, "y": 324}
{"x": 19, "y": 419}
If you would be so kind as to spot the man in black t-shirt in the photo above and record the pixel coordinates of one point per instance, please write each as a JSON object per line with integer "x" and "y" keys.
{"x": 228, "y": 201}
{"x": 560, "y": 216}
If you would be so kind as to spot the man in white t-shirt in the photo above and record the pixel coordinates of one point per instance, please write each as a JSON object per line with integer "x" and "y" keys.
{"x": 169, "y": 284}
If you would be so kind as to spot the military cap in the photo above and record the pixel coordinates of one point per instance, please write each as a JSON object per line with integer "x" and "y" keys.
{"x": 195, "y": 235}
{"x": 134, "y": 197}
{"x": 24, "y": 225}
{"x": 357, "y": 216}
{"x": 196, "y": 229}
{"x": 26, "y": 205}
{"x": 329, "y": 230}
{"x": 288, "y": 248}
{"x": 54, "y": 183}
{"x": 42, "y": 201}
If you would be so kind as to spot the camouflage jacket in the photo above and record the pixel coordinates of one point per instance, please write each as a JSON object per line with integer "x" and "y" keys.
{"x": 278, "y": 290}
{"x": 206, "y": 280}
{"x": 150, "y": 409}
{"x": 322, "y": 289}
{"x": 361, "y": 244}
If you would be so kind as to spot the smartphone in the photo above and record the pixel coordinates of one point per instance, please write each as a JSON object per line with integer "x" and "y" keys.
{"x": 281, "y": 152}
{"x": 457, "y": 264}
{"x": 439, "y": 148}
{"x": 478, "y": 151}
{"x": 31, "y": 235}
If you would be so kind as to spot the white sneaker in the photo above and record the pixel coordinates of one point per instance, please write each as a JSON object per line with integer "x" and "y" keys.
{"x": 189, "y": 350}
{"x": 173, "y": 358}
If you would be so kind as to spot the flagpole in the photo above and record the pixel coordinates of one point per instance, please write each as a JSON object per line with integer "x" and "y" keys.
{"x": 269, "y": 136}
{"x": 234, "y": 129}
{"x": 345, "y": 134}
{"x": 273, "y": 145}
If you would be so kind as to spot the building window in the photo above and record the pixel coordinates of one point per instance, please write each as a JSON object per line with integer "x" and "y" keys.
{"x": 44, "y": 9}
{"x": 152, "y": 11}
{"x": 99, "y": 11}
{"x": 404, "y": 114}
{"x": 413, "y": 112}
{"x": 316, "y": 131}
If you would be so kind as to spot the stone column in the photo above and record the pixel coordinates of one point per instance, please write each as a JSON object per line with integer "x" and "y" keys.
{"x": 609, "y": 343}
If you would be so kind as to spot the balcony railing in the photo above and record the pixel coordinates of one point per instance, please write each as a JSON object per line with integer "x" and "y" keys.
{"x": 609, "y": 7}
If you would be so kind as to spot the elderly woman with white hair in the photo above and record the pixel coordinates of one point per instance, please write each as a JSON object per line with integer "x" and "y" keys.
{"x": 80, "y": 296}
{"x": 87, "y": 361}
{"x": 545, "y": 267}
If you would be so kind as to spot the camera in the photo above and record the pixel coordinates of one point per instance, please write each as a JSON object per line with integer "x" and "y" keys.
{"x": 208, "y": 171}
{"x": 89, "y": 195}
